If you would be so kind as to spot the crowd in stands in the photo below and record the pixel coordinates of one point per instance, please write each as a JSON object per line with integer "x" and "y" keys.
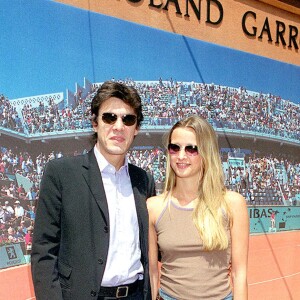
{"x": 17, "y": 204}
{"x": 9, "y": 118}
{"x": 263, "y": 180}
{"x": 48, "y": 118}
{"x": 164, "y": 103}
{"x": 266, "y": 180}
{"x": 15, "y": 220}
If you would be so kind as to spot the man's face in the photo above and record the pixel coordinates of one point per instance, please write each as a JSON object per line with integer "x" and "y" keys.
{"x": 114, "y": 139}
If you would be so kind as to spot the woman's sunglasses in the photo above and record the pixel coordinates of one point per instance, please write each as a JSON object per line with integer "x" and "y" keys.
{"x": 189, "y": 150}
{"x": 110, "y": 118}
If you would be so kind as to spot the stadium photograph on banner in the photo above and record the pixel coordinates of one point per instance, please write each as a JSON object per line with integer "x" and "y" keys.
{"x": 56, "y": 55}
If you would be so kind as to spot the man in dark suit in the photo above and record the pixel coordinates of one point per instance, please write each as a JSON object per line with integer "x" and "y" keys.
{"x": 91, "y": 229}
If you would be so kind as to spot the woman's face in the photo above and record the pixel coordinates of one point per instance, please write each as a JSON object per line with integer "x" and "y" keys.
{"x": 185, "y": 163}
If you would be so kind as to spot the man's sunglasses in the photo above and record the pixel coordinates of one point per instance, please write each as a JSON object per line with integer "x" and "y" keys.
{"x": 189, "y": 150}
{"x": 110, "y": 118}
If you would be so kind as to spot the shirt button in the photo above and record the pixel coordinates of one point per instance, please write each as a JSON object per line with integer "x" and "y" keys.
{"x": 106, "y": 229}
{"x": 93, "y": 293}
{"x": 100, "y": 261}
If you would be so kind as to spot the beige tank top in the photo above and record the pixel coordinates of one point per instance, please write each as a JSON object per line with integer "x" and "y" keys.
{"x": 188, "y": 272}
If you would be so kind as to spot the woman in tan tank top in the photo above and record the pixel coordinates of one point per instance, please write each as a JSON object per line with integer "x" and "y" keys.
{"x": 198, "y": 228}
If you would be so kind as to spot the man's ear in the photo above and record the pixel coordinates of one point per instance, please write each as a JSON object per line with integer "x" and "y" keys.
{"x": 94, "y": 121}
{"x": 137, "y": 129}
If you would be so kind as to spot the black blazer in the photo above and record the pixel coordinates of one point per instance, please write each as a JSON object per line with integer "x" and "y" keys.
{"x": 71, "y": 234}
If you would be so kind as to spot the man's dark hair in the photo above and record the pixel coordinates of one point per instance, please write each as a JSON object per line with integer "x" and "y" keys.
{"x": 127, "y": 94}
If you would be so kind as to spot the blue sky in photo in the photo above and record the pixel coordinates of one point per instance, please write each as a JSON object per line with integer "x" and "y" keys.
{"x": 47, "y": 47}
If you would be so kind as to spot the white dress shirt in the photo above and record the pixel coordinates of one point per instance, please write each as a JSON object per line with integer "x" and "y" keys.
{"x": 124, "y": 254}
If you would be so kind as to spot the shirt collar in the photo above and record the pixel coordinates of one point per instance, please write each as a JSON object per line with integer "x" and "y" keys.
{"x": 105, "y": 166}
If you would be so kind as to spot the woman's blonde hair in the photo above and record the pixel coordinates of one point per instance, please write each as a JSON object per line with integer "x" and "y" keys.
{"x": 211, "y": 211}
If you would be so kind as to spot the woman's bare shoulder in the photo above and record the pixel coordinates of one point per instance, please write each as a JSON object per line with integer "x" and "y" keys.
{"x": 156, "y": 203}
{"x": 156, "y": 200}
{"x": 235, "y": 200}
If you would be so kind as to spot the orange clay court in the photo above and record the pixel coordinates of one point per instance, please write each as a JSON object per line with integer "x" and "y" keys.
{"x": 274, "y": 270}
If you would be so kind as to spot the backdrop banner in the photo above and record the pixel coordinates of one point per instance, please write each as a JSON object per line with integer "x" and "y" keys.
{"x": 286, "y": 218}
{"x": 11, "y": 255}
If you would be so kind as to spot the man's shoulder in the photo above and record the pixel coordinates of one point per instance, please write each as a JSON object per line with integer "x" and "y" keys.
{"x": 139, "y": 176}
{"x": 69, "y": 161}
{"x": 138, "y": 171}
{"x": 135, "y": 168}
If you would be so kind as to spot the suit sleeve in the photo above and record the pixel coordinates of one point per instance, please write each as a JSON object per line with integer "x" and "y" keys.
{"x": 46, "y": 237}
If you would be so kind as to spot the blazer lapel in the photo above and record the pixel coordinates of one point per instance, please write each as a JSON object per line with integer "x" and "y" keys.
{"x": 139, "y": 191}
{"x": 139, "y": 188}
{"x": 93, "y": 178}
